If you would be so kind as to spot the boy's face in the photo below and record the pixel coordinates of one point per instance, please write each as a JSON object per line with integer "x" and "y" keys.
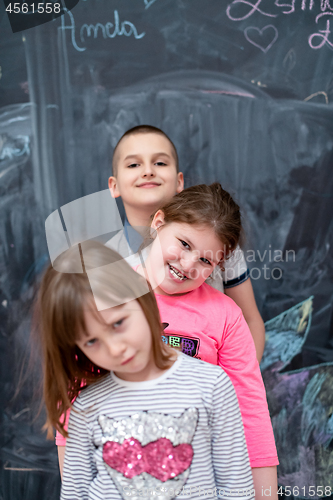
{"x": 146, "y": 172}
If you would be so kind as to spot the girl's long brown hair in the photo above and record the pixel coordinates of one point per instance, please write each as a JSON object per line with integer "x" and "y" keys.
{"x": 209, "y": 206}
{"x": 59, "y": 315}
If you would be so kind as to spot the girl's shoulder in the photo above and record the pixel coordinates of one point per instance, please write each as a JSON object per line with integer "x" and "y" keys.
{"x": 200, "y": 372}
{"x": 205, "y": 380}
{"x": 187, "y": 371}
{"x": 212, "y": 297}
{"x": 98, "y": 391}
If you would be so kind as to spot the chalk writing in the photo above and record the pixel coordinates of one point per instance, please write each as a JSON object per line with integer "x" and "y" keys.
{"x": 148, "y": 3}
{"x": 304, "y": 4}
{"x": 107, "y": 30}
{"x": 291, "y": 6}
{"x": 240, "y": 10}
{"x": 253, "y": 8}
{"x": 321, "y": 36}
{"x": 255, "y": 31}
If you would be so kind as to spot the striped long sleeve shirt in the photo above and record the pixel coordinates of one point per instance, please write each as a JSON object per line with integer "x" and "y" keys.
{"x": 177, "y": 436}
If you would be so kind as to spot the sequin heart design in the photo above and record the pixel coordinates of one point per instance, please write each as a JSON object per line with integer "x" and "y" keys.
{"x": 159, "y": 458}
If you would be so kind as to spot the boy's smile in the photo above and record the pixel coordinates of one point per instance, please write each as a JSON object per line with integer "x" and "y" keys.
{"x": 149, "y": 184}
{"x": 146, "y": 173}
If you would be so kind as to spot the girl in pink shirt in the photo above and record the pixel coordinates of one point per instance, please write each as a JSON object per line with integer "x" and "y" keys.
{"x": 196, "y": 232}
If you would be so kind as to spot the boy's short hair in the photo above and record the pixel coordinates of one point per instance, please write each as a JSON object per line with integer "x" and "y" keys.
{"x": 143, "y": 129}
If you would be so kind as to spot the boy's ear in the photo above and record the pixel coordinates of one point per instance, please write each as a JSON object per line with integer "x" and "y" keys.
{"x": 158, "y": 220}
{"x": 113, "y": 187}
{"x": 180, "y": 182}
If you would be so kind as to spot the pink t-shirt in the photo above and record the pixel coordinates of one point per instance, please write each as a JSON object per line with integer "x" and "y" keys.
{"x": 208, "y": 325}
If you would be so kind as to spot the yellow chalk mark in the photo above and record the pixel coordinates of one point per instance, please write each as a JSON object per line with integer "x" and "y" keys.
{"x": 305, "y": 311}
{"x": 321, "y": 92}
{"x": 22, "y": 469}
{"x": 259, "y": 83}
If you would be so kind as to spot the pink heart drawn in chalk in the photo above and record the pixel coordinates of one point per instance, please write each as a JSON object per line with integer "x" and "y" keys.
{"x": 160, "y": 458}
{"x": 266, "y": 48}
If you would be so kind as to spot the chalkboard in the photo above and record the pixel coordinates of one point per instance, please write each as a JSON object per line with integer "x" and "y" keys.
{"x": 244, "y": 89}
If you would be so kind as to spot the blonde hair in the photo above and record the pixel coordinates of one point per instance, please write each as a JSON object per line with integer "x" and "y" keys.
{"x": 59, "y": 316}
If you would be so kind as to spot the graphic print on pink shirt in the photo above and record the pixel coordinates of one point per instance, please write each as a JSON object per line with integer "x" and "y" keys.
{"x": 188, "y": 345}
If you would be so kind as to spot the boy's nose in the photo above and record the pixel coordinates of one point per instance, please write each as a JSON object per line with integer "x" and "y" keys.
{"x": 148, "y": 170}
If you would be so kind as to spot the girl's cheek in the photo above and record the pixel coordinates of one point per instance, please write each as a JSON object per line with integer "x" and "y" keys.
{"x": 206, "y": 273}
{"x": 173, "y": 252}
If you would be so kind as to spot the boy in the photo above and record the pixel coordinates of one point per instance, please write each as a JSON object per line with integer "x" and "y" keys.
{"x": 145, "y": 175}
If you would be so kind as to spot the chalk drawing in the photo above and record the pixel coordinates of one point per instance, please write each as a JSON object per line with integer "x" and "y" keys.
{"x": 286, "y": 334}
{"x": 321, "y": 92}
{"x": 300, "y": 404}
{"x": 148, "y": 3}
{"x": 10, "y": 148}
{"x": 251, "y": 31}
{"x": 254, "y": 7}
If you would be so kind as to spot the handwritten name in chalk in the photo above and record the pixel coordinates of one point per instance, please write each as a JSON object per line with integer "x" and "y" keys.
{"x": 253, "y": 7}
{"x": 239, "y": 10}
{"x": 107, "y": 30}
{"x": 320, "y": 39}
{"x": 264, "y": 38}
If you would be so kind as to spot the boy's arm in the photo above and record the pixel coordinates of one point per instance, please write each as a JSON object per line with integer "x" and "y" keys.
{"x": 244, "y": 297}
{"x": 229, "y": 452}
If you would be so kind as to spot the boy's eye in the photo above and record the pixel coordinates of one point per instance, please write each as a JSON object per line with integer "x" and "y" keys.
{"x": 186, "y": 245}
{"x": 205, "y": 261}
{"x": 160, "y": 163}
{"x": 133, "y": 165}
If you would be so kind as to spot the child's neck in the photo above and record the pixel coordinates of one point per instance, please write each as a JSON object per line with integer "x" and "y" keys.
{"x": 139, "y": 218}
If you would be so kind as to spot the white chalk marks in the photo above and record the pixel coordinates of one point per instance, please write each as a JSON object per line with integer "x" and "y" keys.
{"x": 262, "y": 38}
{"x": 107, "y": 30}
{"x": 148, "y": 3}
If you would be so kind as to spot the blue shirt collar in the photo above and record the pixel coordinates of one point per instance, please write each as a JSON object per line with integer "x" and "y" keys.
{"x": 134, "y": 239}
